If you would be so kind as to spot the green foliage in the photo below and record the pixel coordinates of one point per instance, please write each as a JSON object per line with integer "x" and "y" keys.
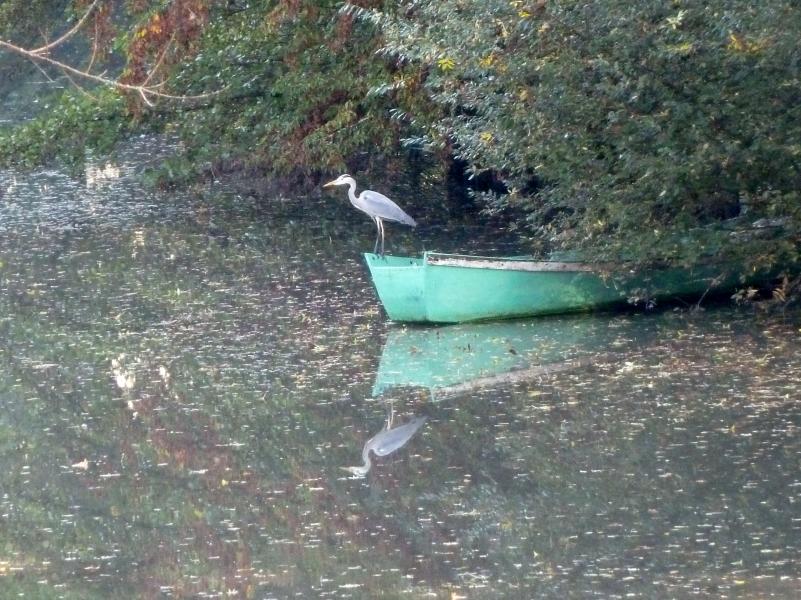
{"x": 25, "y": 20}
{"x": 615, "y": 125}
{"x": 656, "y": 130}
{"x": 297, "y": 82}
{"x": 79, "y": 123}
{"x": 294, "y": 102}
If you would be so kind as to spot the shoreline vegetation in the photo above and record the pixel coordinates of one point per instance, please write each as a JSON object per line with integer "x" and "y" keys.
{"x": 662, "y": 132}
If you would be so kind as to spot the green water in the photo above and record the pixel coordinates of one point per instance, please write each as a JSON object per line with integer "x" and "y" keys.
{"x": 183, "y": 377}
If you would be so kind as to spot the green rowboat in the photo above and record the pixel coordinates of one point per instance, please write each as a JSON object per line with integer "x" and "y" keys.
{"x": 454, "y": 288}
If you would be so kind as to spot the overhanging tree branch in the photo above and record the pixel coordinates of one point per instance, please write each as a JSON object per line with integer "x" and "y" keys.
{"x": 146, "y": 91}
{"x": 57, "y": 42}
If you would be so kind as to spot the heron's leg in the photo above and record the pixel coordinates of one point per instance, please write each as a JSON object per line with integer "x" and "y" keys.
{"x": 377, "y": 234}
{"x": 381, "y": 230}
{"x": 390, "y": 413}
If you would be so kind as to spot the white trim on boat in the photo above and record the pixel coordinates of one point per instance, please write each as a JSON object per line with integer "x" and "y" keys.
{"x": 510, "y": 264}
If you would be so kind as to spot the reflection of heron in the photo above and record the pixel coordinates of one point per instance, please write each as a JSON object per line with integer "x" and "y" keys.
{"x": 386, "y": 442}
{"x": 377, "y": 206}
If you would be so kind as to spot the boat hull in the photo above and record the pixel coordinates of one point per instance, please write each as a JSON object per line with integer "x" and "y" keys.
{"x": 440, "y": 288}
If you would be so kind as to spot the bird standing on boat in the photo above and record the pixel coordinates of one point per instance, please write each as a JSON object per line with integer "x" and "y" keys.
{"x": 377, "y": 206}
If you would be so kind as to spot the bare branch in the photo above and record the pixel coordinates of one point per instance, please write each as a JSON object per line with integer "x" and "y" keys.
{"x": 91, "y": 62}
{"x": 69, "y": 34}
{"x": 43, "y": 72}
{"x": 145, "y": 91}
{"x": 159, "y": 61}
{"x": 144, "y": 97}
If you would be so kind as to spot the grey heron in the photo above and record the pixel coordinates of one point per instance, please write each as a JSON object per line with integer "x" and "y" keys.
{"x": 386, "y": 442}
{"x": 377, "y": 206}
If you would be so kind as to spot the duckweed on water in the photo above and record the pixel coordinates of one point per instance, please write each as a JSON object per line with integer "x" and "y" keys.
{"x": 179, "y": 394}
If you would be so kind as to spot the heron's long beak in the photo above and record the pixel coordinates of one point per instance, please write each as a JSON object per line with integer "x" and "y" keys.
{"x": 330, "y": 183}
{"x": 354, "y": 474}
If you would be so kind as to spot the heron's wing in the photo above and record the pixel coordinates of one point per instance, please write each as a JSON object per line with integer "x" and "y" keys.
{"x": 378, "y": 205}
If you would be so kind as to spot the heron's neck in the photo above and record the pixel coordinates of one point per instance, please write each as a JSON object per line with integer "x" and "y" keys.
{"x": 366, "y": 458}
{"x": 352, "y": 192}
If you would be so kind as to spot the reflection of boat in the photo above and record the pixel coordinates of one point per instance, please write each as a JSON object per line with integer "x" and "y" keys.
{"x": 466, "y": 357}
{"x": 451, "y": 288}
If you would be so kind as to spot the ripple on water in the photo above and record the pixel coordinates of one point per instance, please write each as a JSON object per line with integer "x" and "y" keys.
{"x": 184, "y": 375}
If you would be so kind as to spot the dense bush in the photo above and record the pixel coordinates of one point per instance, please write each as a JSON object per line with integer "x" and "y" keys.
{"x": 638, "y": 128}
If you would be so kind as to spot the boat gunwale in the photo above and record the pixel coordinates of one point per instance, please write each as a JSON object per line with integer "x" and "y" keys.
{"x": 514, "y": 263}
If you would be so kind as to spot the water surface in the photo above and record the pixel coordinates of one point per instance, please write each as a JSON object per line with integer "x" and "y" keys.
{"x": 183, "y": 377}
